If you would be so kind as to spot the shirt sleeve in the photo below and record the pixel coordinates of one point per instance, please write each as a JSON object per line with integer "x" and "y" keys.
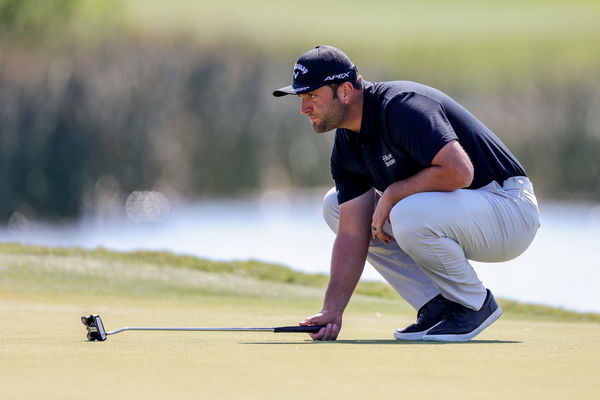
{"x": 419, "y": 126}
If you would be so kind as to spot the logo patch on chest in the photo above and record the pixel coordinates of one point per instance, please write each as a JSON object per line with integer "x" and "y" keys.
{"x": 388, "y": 159}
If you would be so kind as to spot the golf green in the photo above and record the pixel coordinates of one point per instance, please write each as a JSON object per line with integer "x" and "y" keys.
{"x": 44, "y": 352}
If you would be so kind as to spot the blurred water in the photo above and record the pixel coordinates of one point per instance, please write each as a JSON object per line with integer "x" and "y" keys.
{"x": 560, "y": 269}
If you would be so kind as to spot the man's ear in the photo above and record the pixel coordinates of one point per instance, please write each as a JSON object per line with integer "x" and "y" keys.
{"x": 346, "y": 92}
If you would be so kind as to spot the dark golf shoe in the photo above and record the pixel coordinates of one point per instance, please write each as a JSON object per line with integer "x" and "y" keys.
{"x": 429, "y": 315}
{"x": 463, "y": 324}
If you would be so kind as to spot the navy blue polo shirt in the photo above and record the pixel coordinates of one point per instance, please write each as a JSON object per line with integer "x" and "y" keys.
{"x": 404, "y": 125}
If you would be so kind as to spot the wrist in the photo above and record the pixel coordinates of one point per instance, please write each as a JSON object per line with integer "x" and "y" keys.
{"x": 386, "y": 202}
{"x": 390, "y": 197}
{"x": 332, "y": 311}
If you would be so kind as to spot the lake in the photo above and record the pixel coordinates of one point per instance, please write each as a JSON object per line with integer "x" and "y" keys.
{"x": 560, "y": 269}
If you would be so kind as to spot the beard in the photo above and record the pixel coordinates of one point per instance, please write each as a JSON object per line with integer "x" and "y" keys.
{"x": 330, "y": 120}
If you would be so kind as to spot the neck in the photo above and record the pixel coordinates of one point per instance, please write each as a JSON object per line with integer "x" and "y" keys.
{"x": 354, "y": 120}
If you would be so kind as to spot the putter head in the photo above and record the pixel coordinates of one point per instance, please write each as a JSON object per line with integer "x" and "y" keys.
{"x": 95, "y": 328}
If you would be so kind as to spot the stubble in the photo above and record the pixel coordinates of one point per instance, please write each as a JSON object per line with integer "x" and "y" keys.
{"x": 333, "y": 119}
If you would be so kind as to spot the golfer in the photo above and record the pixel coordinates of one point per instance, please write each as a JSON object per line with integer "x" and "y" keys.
{"x": 421, "y": 188}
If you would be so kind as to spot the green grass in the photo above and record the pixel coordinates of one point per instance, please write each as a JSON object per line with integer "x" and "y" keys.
{"x": 284, "y": 23}
{"x": 474, "y": 40}
{"x": 143, "y": 274}
{"x": 468, "y": 41}
{"x": 44, "y": 353}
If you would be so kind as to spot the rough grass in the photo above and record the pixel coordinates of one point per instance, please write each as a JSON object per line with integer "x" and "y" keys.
{"x": 143, "y": 274}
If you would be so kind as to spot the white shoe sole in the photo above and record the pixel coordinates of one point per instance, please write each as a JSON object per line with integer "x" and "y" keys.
{"x": 413, "y": 335}
{"x": 464, "y": 337}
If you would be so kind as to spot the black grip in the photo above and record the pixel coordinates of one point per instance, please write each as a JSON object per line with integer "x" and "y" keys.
{"x": 300, "y": 329}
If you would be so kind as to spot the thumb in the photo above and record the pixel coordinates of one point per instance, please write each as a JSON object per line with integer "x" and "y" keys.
{"x": 313, "y": 319}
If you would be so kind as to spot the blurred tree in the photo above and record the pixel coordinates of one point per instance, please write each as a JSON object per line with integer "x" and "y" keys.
{"x": 83, "y": 123}
{"x": 34, "y": 18}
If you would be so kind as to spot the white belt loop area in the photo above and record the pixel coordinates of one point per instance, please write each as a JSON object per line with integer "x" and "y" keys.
{"x": 518, "y": 183}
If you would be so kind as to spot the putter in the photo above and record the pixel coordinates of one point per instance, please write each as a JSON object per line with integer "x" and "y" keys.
{"x": 97, "y": 332}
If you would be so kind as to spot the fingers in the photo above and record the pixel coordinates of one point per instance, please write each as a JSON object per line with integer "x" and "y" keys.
{"x": 380, "y": 216}
{"x": 318, "y": 335}
{"x": 332, "y": 325}
{"x": 329, "y": 332}
{"x": 378, "y": 233}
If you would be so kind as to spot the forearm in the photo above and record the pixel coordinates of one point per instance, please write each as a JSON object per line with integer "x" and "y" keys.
{"x": 347, "y": 263}
{"x": 435, "y": 178}
{"x": 431, "y": 179}
{"x": 450, "y": 169}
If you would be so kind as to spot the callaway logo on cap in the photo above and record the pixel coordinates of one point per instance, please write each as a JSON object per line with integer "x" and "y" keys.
{"x": 318, "y": 67}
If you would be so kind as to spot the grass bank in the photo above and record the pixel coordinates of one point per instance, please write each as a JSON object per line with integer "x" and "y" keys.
{"x": 150, "y": 274}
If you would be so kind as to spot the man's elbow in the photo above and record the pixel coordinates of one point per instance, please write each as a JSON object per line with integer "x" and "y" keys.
{"x": 467, "y": 175}
{"x": 456, "y": 165}
{"x": 461, "y": 177}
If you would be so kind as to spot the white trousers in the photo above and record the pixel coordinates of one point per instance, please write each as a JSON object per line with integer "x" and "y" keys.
{"x": 435, "y": 234}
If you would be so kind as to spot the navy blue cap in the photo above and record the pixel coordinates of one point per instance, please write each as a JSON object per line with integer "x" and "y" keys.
{"x": 318, "y": 67}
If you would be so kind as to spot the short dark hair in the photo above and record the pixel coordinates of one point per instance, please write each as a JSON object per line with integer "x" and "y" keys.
{"x": 356, "y": 84}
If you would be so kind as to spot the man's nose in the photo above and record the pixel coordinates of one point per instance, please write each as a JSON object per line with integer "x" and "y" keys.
{"x": 304, "y": 106}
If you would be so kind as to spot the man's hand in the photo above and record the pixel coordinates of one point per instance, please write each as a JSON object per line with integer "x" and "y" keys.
{"x": 380, "y": 216}
{"x": 332, "y": 321}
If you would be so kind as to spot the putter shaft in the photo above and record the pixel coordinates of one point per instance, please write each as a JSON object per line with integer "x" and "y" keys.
{"x": 149, "y": 328}
{"x": 96, "y": 330}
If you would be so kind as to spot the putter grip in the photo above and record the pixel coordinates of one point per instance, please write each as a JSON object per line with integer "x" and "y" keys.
{"x": 300, "y": 329}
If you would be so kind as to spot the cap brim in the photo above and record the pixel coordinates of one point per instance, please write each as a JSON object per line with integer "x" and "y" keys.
{"x": 284, "y": 91}
{"x": 291, "y": 90}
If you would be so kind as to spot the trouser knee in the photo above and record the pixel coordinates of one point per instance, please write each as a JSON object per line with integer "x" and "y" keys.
{"x": 409, "y": 223}
{"x": 331, "y": 209}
